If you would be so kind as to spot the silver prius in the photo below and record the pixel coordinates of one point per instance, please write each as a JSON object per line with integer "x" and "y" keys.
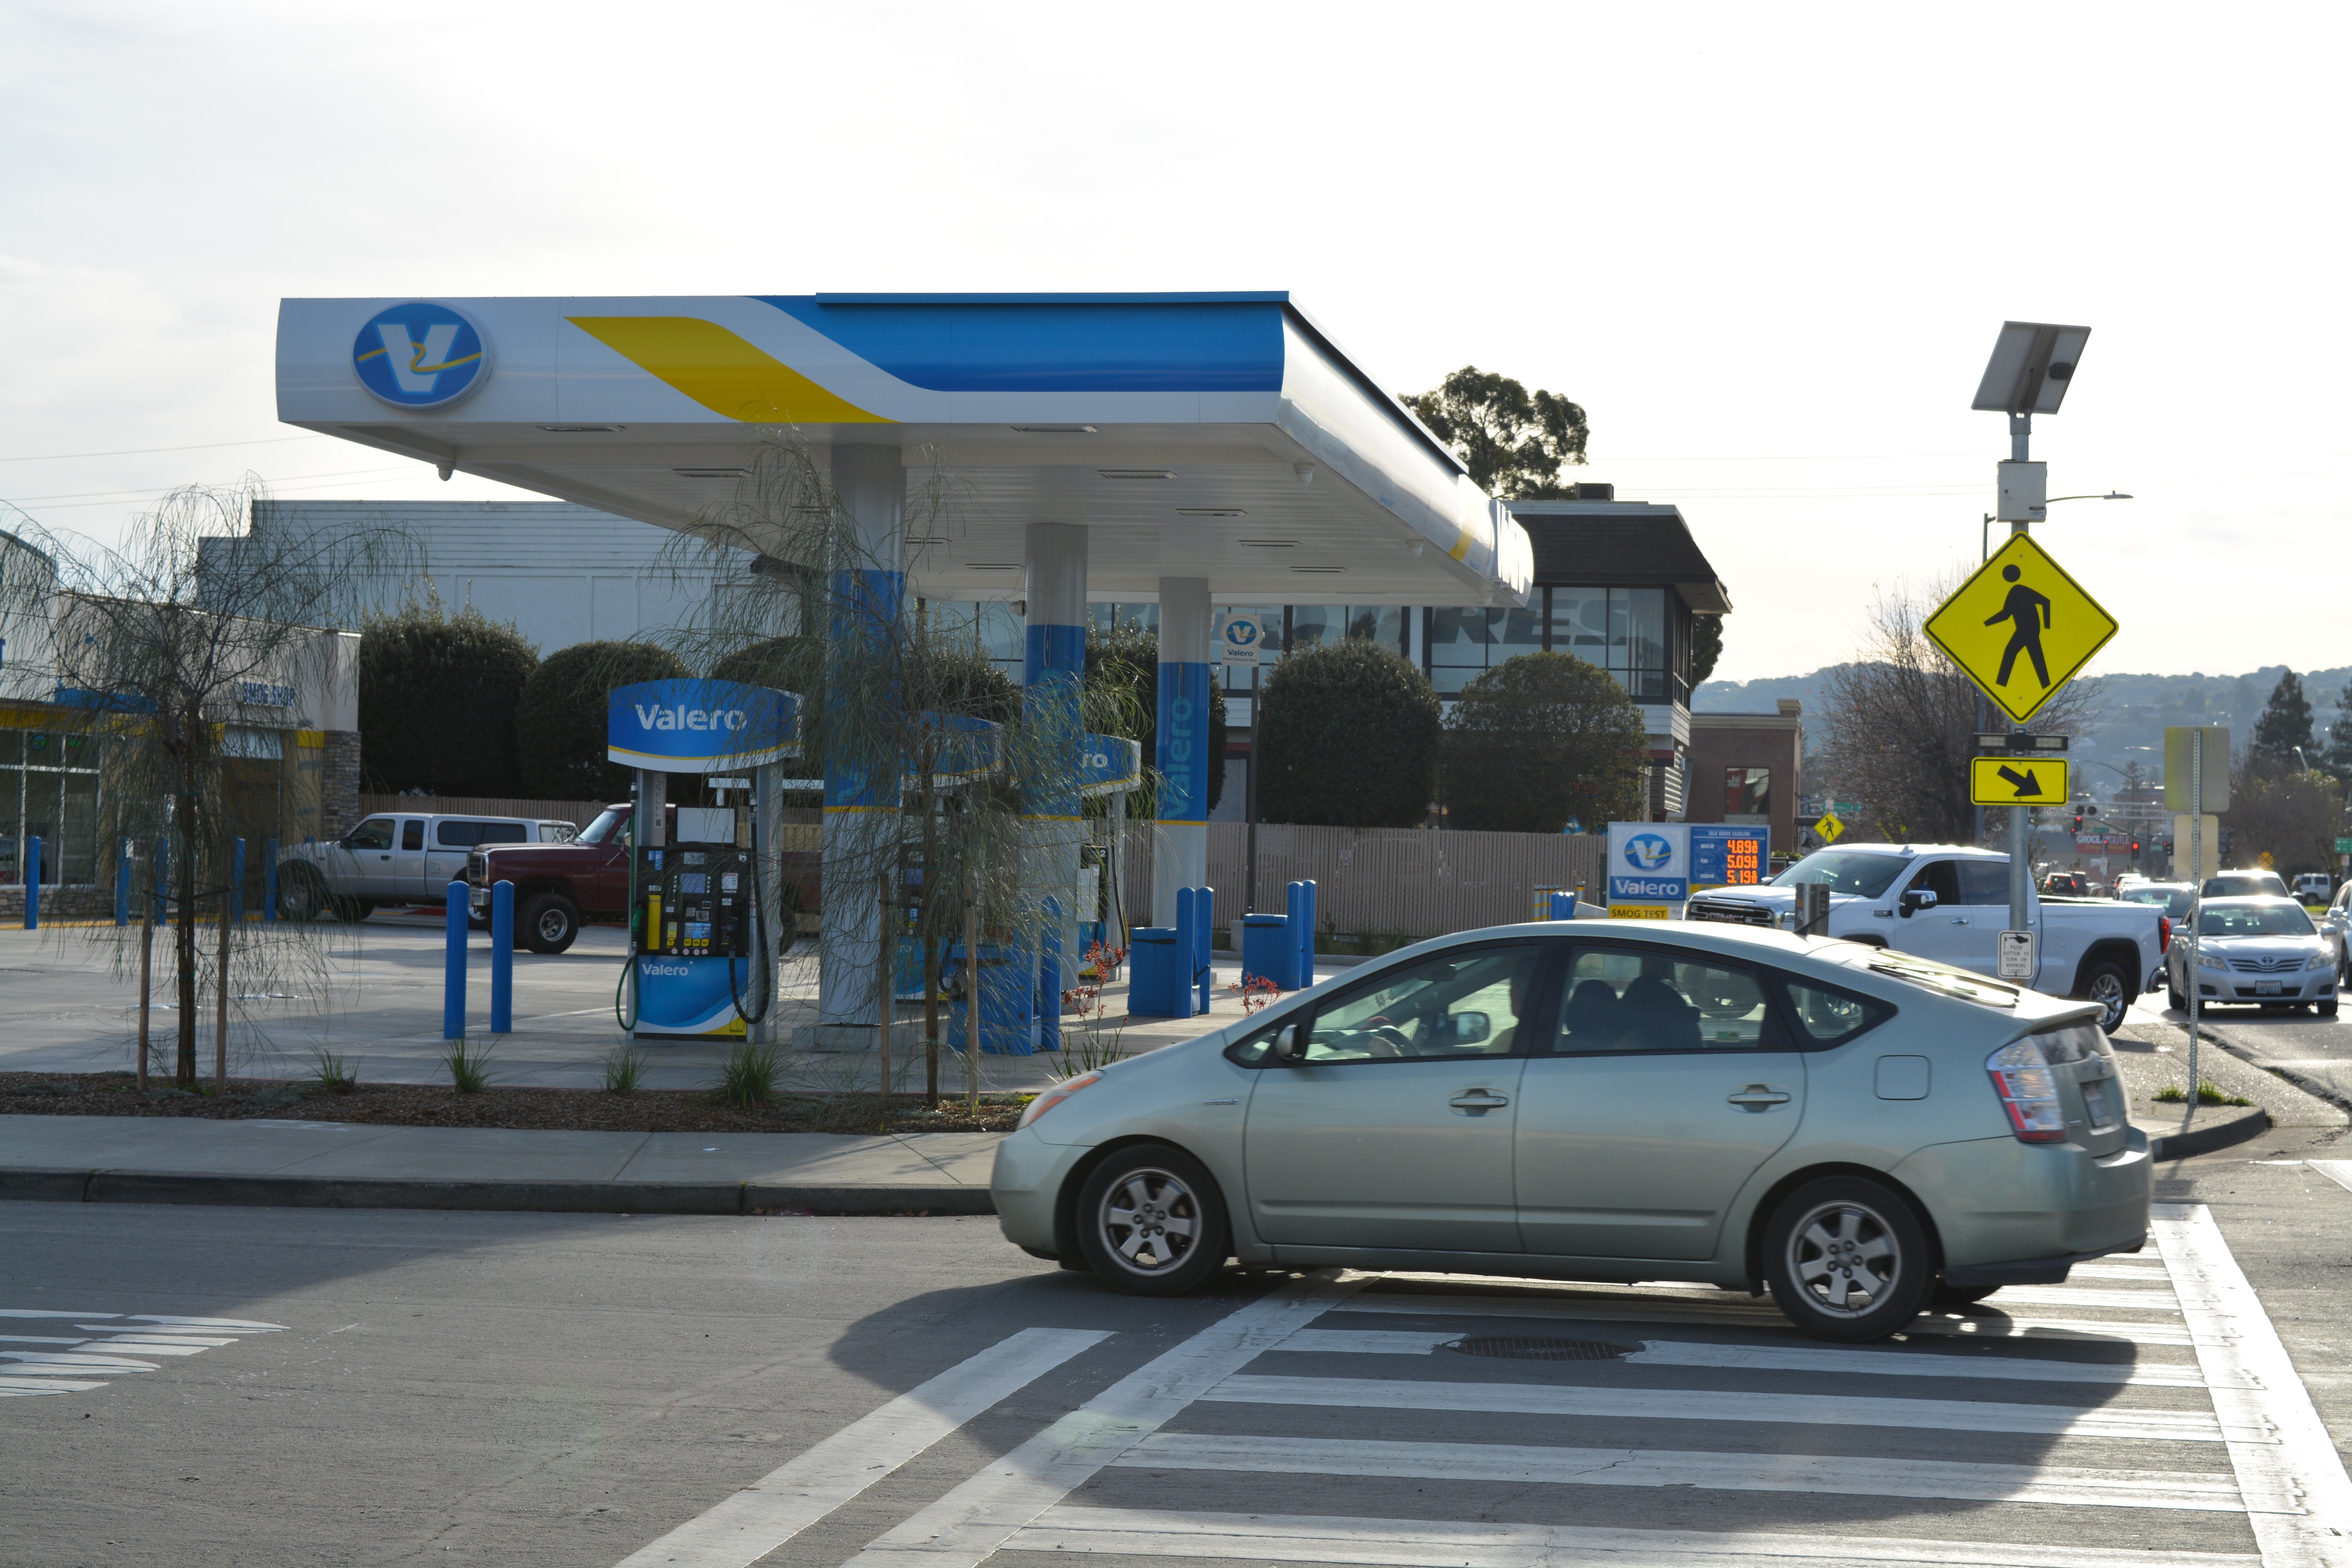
{"x": 1864, "y": 1132}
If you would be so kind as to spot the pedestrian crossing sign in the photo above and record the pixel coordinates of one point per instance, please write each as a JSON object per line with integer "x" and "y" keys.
{"x": 1829, "y": 828}
{"x": 2021, "y": 627}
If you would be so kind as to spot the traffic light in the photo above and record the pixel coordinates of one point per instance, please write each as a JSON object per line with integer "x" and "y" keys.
{"x": 2078, "y": 820}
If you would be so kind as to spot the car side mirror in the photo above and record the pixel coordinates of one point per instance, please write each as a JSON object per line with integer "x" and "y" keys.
{"x": 1917, "y": 899}
{"x": 1288, "y": 1048}
{"x": 1469, "y": 1028}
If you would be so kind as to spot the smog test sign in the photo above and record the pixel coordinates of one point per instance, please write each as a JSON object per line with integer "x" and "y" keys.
{"x": 1649, "y": 869}
{"x": 699, "y": 726}
{"x": 2021, "y": 627}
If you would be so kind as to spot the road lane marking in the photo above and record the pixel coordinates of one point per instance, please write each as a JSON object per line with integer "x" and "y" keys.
{"x": 28, "y": 1372}
{"x": 2297, "y": 1495}
{"x": 2088, "y": 1296}
{"x": 2199, "y": 1491}
{"x": 975, "y": 1519}
{"x": 13, "y": 1387}
{"x": 1424, "y": 1543}
{"x": 1772, "y": 1357}
{"x": 1995, "y": 1321}
{"x": 2337, "y": 1170}
{"x": 1709, "y": 1405}
{"x": 754, "y": 1521}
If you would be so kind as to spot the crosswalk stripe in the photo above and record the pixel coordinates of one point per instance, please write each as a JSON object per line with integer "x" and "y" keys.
{"x": 26, "y": 1362}
{"x": 11, "y": 1388}
{"x": 1773, "y": 1358}
{"x": 788, "y": 1499}
{"x": 2091, "y": 1295}
{"x": 2203, "y": 1491}
{"x": 1993, "y": 1319}
{"x": 1709, "y": 1405}
{"x": 2005, "y": 1327}
{"x": 1424, "y": 1543}
{"x": 973, "y": 1520}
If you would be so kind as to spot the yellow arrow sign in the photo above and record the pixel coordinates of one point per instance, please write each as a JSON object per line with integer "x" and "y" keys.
{"x": 2016, "y": 781}
{"x": 2021, "y": 627}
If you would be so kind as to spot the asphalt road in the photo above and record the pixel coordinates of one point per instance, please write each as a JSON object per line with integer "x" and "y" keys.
{"x": 513, "y": 1389}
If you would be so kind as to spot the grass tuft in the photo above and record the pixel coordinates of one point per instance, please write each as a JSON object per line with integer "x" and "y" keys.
{"x": 2208, "y": 1093}
{"x": 625, "y": 1069}
{"x": 468, "y": 1064}
{"x": 332, "y": 1073}
{"x": 749, "y": 1077}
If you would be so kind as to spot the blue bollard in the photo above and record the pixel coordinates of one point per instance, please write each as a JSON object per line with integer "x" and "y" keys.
{"x": 453, "y": 978}
{"x": 501, "y": 957}
{"x": 235, "y": 905}
{"x": 270, "y": 882}
{"x": 123, "y": 884}
{"x": 1195, "y": 910}
{"x": 1300, "y": 900}
{"x": 32, "y": 883}
{"x": 161, "y": 884}
{"x": 1187, "y": 944}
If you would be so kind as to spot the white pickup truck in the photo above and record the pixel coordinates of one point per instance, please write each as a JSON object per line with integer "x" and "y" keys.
{"x": 1950, "y": 903}
{"x": 397, "y": 860}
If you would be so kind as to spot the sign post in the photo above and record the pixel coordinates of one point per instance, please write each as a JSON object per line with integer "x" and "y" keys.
{"x": 1243, "y": 637}
{"x": 2186, "y": 747}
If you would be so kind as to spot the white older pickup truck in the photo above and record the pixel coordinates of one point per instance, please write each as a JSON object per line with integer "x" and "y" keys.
{"x": 1950, "y": 903}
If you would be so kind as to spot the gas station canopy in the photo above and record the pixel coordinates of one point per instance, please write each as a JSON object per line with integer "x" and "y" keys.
{"x": 1216, "y": 436}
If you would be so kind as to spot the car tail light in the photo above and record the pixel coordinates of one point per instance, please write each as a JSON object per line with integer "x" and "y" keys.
{"x": 2164, "y": 932}
{"x": 1056, "y": 1095}
{"x": 2028, "y": 1091}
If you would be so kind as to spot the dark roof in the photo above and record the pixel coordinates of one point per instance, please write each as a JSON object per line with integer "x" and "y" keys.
{"x": 1620, "y": 542}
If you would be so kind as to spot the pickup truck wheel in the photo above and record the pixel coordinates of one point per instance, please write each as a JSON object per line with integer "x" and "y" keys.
{"x": 2106, "y": 986}
{"x": 301, "y": 894}
{"x": 550, "y": 922}
{"x": 1847, "y": 1259}
{"x": 353, "y": 910}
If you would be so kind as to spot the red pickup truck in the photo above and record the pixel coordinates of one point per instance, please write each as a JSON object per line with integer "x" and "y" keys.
{"x": 560, "y": 886}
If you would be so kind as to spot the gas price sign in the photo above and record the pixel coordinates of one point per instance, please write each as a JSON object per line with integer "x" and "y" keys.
{"x": 1727, "y": 855}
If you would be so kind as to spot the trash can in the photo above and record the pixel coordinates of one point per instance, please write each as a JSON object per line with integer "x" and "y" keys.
{"x": 1156, "y": 974}
{"x": 1269, "y": 952}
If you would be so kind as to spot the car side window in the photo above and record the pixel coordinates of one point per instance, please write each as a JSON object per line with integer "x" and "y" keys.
{"x": 1465, "y": 1003}
{"x": 1827, "y": 1016}
{"x": 503, "y": 833}
{"x": 412, "y": 834}
{"x": 452, "y": 835}
{"x": 1621, "y": 1000}
{"x": 1940, "y": 878}
{"x": 1984, "y": 882}
{"x": 375, "y": 833}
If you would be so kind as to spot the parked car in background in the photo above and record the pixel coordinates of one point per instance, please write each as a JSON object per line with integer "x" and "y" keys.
{"x": 2262, "y": 950}
{"x": 2173, "y": 899}
{"x": 1868, "y": 1132}
{"x": 2252, "y": 883}
{"x": 2312, "y": 886}
{"x": 1950, "y": 903}
{"x": 397, "y": 860}
{"x": 2336, "y": 930}
{"x": 2067, "y": 885}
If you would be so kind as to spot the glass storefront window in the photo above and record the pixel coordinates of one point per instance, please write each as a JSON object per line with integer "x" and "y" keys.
{"x": 1383, "y": 624}
{"x": 1311, "y": 625}
{"x": 48, "y": 790}
{"x": 1747, "y": 792}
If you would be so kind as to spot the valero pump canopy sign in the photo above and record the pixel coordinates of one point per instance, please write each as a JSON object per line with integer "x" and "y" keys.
{"x": 699, "y": 726}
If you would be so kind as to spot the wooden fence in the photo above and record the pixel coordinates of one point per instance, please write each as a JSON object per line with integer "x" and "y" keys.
{"x": 1400, "y": 882}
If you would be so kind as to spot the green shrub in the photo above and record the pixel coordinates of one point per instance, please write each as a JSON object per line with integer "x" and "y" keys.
{"x": 437, "y": 695}
{"x": 560, "y": 721}
{"x": 1539, "y": 739}
{"x": 1349, "y": 734}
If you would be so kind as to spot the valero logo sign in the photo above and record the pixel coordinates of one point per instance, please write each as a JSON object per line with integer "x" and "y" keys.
{"x": 1648, "y": 852}
{"x": 420, "y": 355}
{"x": 1649, "y": 867}
{"x": 699, "y": 726}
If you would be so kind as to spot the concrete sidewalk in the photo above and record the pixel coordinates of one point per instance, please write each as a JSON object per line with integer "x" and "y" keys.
{"x": 332, "y": 1165}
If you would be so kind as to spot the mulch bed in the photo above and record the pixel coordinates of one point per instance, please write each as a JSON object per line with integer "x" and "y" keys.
{"x": 432, "y": 1105}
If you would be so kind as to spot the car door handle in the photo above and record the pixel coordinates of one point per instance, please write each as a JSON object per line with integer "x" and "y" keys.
{"x": 1478, "y": 1101}
{"x": 1959, "y": 920}
{"x": 1757, "y": 1096}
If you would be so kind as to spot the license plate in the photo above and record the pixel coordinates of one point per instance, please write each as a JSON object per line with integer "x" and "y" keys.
{"x": 2096, "y": 1101}
{"x": 2267, "y": 987}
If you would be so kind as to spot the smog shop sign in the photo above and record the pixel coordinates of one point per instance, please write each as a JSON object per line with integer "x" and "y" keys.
{"x": 699, "y": 726}
{"x": 1649, "y": 868}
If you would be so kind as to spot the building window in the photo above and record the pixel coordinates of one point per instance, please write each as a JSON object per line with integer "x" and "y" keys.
{"x": 49, "y": 791}
{"x": 1464, "y": 644}
{"x": 1746, "y": 793}
{"x": 1624, "y": 631}
{"x": 1312, "y": 625}
{"x": 995, "y": 630}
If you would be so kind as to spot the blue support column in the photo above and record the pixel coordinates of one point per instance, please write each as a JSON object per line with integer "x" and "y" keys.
{"x": 1053, "y": 827}
{"x": 269, "y": 880}
{"x": 123, "y": 884}
{"x": 1180, "y": 853}
{"x": 160, "y": 884}
{"x": 501, "y": 958}
{"x": 32, "y": 883}
{"x": 453, "y": 973}
{"x": 236, "y": 904}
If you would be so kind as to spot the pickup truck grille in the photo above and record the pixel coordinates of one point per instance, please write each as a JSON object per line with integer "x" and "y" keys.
{"x": 1727, "y": 913}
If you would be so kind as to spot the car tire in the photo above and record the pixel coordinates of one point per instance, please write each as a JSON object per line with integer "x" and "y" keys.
{"x": 2172, "y": 996}
{"x": 548, "y": 922}
{"x": 2324, "y": 1009}
{"x": 355, "y": 909}
{"x": 302, "y": 894}
{"x": 1952, "y": 1298}
{"x": 1151, "y": 1222}
{"x": 2111, "y": 988}
{"x": 1842, "y": 1235}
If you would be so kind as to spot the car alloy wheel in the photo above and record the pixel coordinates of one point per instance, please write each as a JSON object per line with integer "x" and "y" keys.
{"x": 1847, "y": 1259}
{"x": 1151, "y": 1222}
{"x": 1844, "y": 1256}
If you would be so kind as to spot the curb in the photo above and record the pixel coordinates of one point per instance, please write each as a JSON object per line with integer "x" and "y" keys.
{"x": 522, "y": 1197}
{"x": 2250, "y": 1122}
{"x": 2253, "y": 1058}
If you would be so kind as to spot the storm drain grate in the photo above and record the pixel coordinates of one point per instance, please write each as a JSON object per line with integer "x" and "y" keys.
{"x": 1519, "y": 1347}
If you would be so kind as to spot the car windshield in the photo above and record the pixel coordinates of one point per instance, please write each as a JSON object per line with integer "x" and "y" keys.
{"x": 607, "y": 822}
{"x": 2244, "y": 884}
{"x": 1844, "y": 871}
{"x": 2253, "y": 919}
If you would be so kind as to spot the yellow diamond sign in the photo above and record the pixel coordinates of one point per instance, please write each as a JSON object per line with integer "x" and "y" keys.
{"x": 2021, "y": 627}
{"x": 1829, "y": 828}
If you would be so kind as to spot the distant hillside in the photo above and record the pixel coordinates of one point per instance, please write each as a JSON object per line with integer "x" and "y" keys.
{"x": 2134, "y": 712}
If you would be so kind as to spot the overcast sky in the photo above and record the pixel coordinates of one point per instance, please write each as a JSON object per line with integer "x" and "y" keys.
{"x": 1766, "y": 248}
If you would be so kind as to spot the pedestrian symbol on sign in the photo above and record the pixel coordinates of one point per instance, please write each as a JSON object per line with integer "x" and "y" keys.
{"x": 2027, "y": 615}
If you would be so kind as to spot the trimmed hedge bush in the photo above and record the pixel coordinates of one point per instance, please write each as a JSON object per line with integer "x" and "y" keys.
{"x": 560, "y": 721}
{"x": 1539, "y": 739}
{"x": 1348, "y": 736}
{"x": 437, "y": 695}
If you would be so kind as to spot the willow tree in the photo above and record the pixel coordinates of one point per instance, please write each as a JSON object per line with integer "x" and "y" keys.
{"x": 169, "y": 646}
{"x": 901, "y": 696}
